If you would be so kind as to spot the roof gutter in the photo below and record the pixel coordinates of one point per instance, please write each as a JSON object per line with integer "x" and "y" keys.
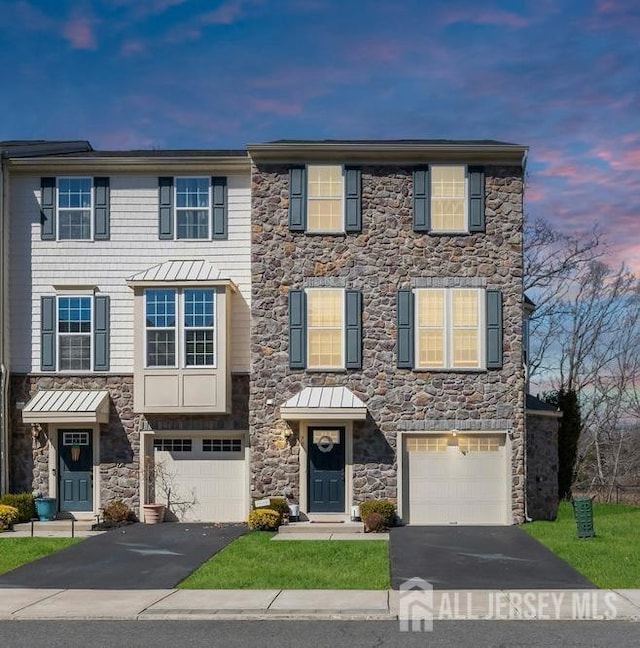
{"x": 395, "y": 153}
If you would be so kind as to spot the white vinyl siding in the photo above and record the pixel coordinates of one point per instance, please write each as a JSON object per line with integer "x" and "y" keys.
{"x": 133, "y": 246}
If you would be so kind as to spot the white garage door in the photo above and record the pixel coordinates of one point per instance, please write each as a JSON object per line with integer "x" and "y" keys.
{"x": 456, "y": 480}
{"x": 205, "y": 476}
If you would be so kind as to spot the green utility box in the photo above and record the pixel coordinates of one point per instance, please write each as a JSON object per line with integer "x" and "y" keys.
{"x": 583, "y": 513}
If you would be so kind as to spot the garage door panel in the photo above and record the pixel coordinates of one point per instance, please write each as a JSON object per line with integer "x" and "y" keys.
{"x": 446, "y": 485}
{"x": 213, "y": 484}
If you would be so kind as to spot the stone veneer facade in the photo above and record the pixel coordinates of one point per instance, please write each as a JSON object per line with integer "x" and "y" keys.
{"x": 385, "y": 256}
{"x": 542, "y": 466}
{"x": 119, "y": 439}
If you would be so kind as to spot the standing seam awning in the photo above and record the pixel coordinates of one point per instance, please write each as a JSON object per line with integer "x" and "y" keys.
{"x": 67, "y": 406}
{"x": 332, "y": 403}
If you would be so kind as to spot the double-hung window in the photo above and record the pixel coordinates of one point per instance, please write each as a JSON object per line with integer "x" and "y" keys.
{"x": 325, "y": 199}
{"x": 448, "y": 199}
{"x": 325, "y": 191}
{"x": 193, "y": 208}
{"x": 449, "y": 328}
{"x": 180, "y": 327}
{"x": 74, "y": 333}
{"x": 74, "y": 208}
{"x": 325, "y": 329}
{"x": 452, "y": 329}
{"x": 75, "y": 204}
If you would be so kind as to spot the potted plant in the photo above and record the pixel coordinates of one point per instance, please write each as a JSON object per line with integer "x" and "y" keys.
{"x": 45, "y": 507}
{"x": 153, "y": 513}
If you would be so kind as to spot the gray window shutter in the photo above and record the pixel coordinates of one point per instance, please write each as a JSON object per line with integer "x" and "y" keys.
{"x": 48, "y": 334}
{"x": 476, "y": 199}
{"x": 298, "y": 199}
{"x": 101, "y": 333}
{"x": 101, "y": 209}
{"x": 353, "y": 329}
{"x": 494, "y": 329}
{"x": 421, "y": 200}
{"x": 220, "y": 208}
{"x": 48, "y": 209}
{"x": 165, "y": 202}
{"x": 352, "y": 200}
{"x": 297, "y": 329}
{"x": 405, "y": 329}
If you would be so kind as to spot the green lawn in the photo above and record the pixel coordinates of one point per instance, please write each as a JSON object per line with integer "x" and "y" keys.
{"x": 18, "y": 551}
{"x": 612, "y": 558}
{"x": 254, "y": 562}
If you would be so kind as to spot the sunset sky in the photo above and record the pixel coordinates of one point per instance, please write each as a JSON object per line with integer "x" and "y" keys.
{"x": 562, "y": 76}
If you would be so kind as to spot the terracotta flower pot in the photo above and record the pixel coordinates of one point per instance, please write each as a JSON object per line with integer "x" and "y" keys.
{"x": 153, "y": 513}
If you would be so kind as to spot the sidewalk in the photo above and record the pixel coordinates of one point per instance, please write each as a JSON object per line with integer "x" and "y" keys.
{"x": 31, "y": 604}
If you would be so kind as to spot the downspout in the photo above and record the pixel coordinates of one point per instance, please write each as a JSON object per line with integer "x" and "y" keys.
{"x": 4, "y": 446}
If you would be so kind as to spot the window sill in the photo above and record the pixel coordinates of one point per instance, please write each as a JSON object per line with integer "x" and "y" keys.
{"x": 458, "y": 370}
{"x": 325, "y": 370}
{"x": 327, "y": 233}
{"x": 452, "y": 233}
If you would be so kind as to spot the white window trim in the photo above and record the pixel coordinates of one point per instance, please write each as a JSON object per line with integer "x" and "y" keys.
{"x": 91, "y": 333}
{"x": 179, "y": 328}
{"x": 176, "y": 209}
{"x": 343, "y": 341}
{"x": 448, "y": 331}
{"x": 58, "y": 208}
{"x": 465, "y": 230}
{"x": 341, "y": 230}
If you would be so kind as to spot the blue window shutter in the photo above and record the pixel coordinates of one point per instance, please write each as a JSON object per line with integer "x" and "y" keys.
{"x": 297, "y": 329}
{"x": 353, "y": 329}
{"x": 48, "y": 209}
{"x": 494, "y": 329}
{"x": 101, "y": 333}
{"x": 165, "y": 202}
{"x": 405, "y": 325}
{"x": 476, "y": 199}
{"x": 220, "y": 207}
{"x": 101, "y": 209}
{"x": 298, "y": 199}
{"x": 48, "y": 334}
{"x": 352, "y": 200}
{"x": 421, "y": 200}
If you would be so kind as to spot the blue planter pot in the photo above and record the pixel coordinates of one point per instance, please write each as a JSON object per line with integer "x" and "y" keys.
{"x": 46, "y": 508}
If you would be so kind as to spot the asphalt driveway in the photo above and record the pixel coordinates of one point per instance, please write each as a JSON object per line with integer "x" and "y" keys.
{"x": 139, "y": 556}
{"x": 480, "y": 557}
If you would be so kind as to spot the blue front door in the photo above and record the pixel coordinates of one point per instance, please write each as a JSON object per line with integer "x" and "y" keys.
{"x": 75, "y": 470}
{"x": 326, "y": 470}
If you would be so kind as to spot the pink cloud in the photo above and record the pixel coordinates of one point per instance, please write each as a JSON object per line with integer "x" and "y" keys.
{"x": 479, "y": 16}
{"x": 122, "y": 139}
{"x": 277, "y": 107}
{"x": 620, "y": 160}
{"x": 79, "y": 32}
{"x": 132, "y": 47}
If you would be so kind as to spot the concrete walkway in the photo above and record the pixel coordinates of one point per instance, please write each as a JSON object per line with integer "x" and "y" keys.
{"x": 60, "y": 604}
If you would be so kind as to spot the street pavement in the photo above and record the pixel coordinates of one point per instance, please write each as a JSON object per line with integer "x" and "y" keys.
{"x": 314, "y": 634}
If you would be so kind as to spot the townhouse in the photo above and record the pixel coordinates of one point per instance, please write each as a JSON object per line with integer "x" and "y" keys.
{"x": 330, "y": 321}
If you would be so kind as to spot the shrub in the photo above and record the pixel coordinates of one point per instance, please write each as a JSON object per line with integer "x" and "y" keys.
{"x": 23, "y": 502}
{"x": 264, "y": 519}
{"x": 277, "y": 504}
{"x": 117, "y": 511}
{"x": 374, "y": 523}
{"x": 386, "y": 508}
{"x": 8, "y": 515}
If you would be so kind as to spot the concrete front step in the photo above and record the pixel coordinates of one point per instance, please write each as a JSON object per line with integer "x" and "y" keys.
{"x": 54, "y": 526}
{"x": 322, "y": 527}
